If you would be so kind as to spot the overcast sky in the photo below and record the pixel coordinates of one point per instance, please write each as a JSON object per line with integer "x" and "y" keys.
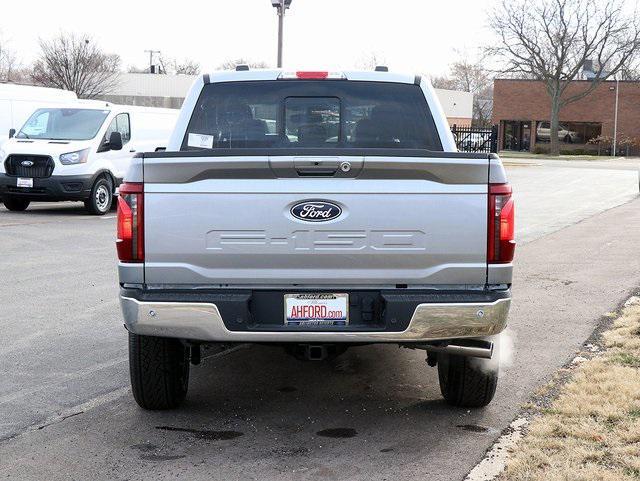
{"x": 409, "y": 35}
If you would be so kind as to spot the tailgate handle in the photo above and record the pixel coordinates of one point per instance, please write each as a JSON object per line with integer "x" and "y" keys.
{"x": 320, "y": 166}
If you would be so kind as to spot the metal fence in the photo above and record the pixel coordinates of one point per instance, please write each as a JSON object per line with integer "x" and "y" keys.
{"x": 474, "y": 139}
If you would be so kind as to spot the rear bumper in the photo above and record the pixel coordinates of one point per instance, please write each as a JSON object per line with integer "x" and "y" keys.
{"x": 54, "y": 188}
{"x": 147, "y": 313}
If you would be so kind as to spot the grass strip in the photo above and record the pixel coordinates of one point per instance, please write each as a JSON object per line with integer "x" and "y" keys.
{"x": 592, "y": 429}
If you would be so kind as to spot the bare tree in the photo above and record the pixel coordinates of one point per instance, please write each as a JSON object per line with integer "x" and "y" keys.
{"x": 444, "y": 82}
{"x": 76, "y": 63}
{"x": 550, "y": 40}
{"x": 230, "y": 64}
{"x": 471, "y": 76}
{"x": 177, "y": 67}
{"x": 629, "y": 72}
{"x": 186, "y": 67}
{"x": 369, "y": 61}
{"x": 136, "y": 69}
{"x": 9, "y": 64}
{"x": 172, "y": 66}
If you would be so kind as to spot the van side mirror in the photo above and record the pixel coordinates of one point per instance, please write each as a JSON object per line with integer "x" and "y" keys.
{"x": 114, "y": 142}
{"x": 12, "y": 132}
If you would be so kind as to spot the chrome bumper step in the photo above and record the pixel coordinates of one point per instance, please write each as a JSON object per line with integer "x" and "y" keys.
{"x": 203, "y": 322}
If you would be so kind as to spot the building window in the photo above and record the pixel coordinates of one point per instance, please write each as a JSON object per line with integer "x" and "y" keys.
{"x": 516, "y": 135}
{"x": 569, "y": 132}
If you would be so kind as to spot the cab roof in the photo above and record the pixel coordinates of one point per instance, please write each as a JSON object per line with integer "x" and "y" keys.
{"x": 275, "y": 74}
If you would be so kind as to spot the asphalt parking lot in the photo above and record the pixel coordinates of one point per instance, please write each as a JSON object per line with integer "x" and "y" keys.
{"x": 66, "y": 411}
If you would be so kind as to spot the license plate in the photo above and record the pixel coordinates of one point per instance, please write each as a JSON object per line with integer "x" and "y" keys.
{"x": 316, "y": 309}
{"x": 24, "y": 182}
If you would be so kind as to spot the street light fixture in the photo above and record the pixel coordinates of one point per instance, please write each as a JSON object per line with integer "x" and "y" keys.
{"x": 281, "y": 6}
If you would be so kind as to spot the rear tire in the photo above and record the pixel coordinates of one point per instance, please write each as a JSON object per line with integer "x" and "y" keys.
{"x": 101, "y": 197}
{"x": 467, "y": 381}
{"x": 15, "y": 205}
{"x": 159, "y": 370}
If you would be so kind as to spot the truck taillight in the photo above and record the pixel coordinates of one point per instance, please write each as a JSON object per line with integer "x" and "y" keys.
{"x": 501, "y": 242}
{"x": 130, "y": 240}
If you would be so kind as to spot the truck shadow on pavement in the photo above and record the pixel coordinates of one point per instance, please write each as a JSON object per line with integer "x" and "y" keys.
{"x": 259, "y": 402}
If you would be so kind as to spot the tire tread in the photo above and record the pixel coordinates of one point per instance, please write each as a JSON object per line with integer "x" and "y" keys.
{"x": 159, "y": 370}
{"x": 465, "y": 382}
{"x": 15, "y": 204}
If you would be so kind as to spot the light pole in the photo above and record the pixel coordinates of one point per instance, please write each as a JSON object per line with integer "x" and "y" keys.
{"x": 281, "y": 6}
{"x": 615, "y": 120}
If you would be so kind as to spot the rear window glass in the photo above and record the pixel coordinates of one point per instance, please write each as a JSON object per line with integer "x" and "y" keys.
{"x": 314, "y": 114}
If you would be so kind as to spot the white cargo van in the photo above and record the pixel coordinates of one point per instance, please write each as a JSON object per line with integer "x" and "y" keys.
{"x": 78, "y": 151}
{"x": 17, "y": 103}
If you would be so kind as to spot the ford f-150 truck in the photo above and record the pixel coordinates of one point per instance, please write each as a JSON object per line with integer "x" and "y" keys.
{"x": 316, "y": 211}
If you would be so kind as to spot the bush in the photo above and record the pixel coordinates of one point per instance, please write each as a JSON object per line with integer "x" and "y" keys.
{"x": 576, "y": 152}
{"x": 603, "y": 143}
{"x": 539, "y": 149}
{"x": 627, "y": 145}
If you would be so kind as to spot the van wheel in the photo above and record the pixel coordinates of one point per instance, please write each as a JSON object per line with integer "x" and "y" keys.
{"x": 101, "y": 197}
{"x": 467, "y": 381}
{"x": 568, "y": 139}
{"x": 15, "y": 205}
{"x": 159, "y": 370}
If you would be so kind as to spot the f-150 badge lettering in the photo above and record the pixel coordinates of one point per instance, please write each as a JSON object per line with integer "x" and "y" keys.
{"x": 261, "y": 241}
{"x": 316, "y": 211}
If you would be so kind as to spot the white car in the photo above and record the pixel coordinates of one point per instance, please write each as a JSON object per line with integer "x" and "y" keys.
{"x": 79, "y": 151}
{"x": 474, "y": 142}
{"x": 543, "y": 132}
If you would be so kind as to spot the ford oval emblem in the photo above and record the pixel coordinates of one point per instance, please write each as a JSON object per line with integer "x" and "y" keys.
{"x": 316, "y": 211}
{"x": 26, "y": 163}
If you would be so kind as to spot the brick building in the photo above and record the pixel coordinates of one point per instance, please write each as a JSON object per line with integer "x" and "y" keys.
{"x": 521, "y": 109}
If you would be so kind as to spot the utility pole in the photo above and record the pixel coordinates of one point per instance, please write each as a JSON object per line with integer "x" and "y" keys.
{"x": 151, "y": 66}
{"x": 281, "y": 6}
{"x": 615, "y": 119}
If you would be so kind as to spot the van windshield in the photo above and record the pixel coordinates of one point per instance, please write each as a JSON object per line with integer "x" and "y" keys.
{"x": 323, "y": 114}
{"x": 63, "y": 124}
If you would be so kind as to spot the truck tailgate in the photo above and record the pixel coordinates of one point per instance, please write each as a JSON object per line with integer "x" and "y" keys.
{"x": 228, "y": 221}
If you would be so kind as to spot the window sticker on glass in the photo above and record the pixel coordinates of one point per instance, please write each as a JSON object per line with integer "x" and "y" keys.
{"x": 200, "y": 140}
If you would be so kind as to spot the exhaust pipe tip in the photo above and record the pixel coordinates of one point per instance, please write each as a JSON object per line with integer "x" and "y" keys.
{"x": 471, "y": 348}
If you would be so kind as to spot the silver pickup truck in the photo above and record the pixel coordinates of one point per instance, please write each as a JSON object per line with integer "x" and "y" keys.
{"x": 316, "y": 211}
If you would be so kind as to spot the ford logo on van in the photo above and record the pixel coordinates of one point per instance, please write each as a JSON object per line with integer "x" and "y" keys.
{"x": 26, "y": 163}
{"x": 316, "y": 211}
